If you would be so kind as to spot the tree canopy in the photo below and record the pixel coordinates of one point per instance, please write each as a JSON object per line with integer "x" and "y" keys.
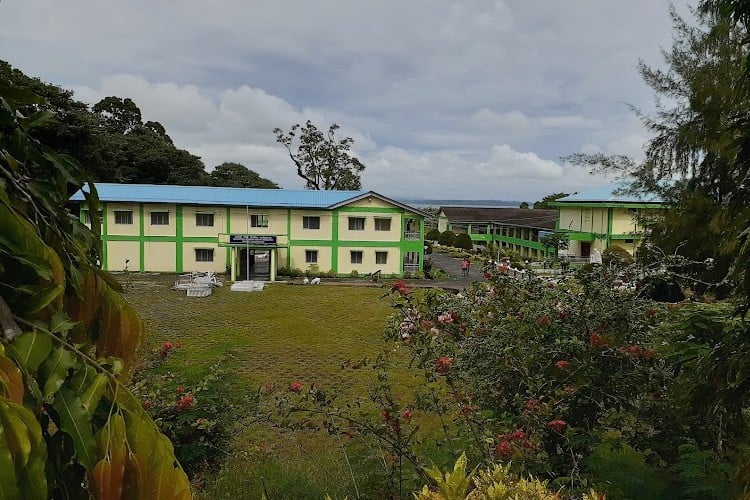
{"x": 322, "y": 161}
{"x": 545, "y": 202}
{"x": 238, "y": 175}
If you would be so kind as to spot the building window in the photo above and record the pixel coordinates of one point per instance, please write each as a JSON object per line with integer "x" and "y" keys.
{"x": 159, "y": 218}
{"x": 310, "y": 222}
{"x": 204, "y": 255}
{"x": 381, "y": 257}
{"x": 87, "y": 216}
{"x": 628, "y": 241}
{"x": 258, "y": 221}
{"x": 356, "y": 224}
{"x": 205, "y": 220}
{"x": 382, "y": 224}
{"x": 123, "y": 216}
{"x": 356, "y": 256}
{"x": 311, "y": 256}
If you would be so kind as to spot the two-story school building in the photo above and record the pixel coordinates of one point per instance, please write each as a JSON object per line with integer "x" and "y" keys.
{"x": 516, "y": 229}
{"x": 604, "y": 217}
{"x": 251, "y": 233}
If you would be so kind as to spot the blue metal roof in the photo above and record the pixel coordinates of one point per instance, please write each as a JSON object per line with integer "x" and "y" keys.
{"x": 607, "y": 194}
{"x": 223, "y": 196}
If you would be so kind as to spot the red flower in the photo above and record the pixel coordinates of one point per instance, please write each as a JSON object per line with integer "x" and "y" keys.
{"x": 562, "y": 364}
{"x": 631, "y": 350}
{"x": 443, "y": 364}
{"x": 386, "y": 415}
{"x": 295, "y": 386}
{"x": 488, "y": 275}
{"x": 596, "y": 340}
{"x": 185, "y": 403}
{"x": 400, "y": 287}
{"x": 180, "y": 390}
{"x": 651, "y": 313}
{"x": 533, "y": 405}
{"x": 558, "y": 426}
{"x": 503, "y": 449}
{"x": 167, "y": 346}
{"x": 407, "y": 414}
{"x": 517, "y": 435}
{"x": 454, "y": 315}
{"x": 649, "y": 353}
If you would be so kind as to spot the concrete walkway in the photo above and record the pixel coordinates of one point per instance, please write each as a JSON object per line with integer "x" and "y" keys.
{"x": 452, "y": 266}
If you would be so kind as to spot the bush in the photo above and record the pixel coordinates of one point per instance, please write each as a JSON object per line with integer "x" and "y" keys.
{"x": 446, "y": 238}
{"x": 463, "y": 240}
{"x": 291, "y": 272}
{"x": 432, "y": 235}
{"x": 428, "y": 248}
{"x": 616, "y": 256}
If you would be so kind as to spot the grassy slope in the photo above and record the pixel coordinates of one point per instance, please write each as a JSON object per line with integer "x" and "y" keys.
{"x": 282, "y": 334}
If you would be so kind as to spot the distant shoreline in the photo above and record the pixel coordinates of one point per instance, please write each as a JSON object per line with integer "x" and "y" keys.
{"x": 463, "y": 203}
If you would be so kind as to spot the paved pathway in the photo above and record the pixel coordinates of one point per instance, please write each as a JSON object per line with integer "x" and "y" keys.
{"x": 452, "y": 266}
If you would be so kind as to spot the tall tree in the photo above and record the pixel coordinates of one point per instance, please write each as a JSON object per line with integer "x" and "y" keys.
{"x": 238, "y": 175}
{"x": 544, "y": 203}
{"x": 118, "y": 115}
{"x": 321, "y": 160}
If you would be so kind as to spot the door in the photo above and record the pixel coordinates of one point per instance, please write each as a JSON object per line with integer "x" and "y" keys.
{"x": 254, "y": 264}
{"x": 585, "y": 249}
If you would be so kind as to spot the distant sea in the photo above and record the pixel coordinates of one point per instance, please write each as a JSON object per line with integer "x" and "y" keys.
{"x": 461, "y": 203}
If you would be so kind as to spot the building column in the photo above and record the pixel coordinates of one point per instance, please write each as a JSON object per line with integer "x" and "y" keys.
{"x": 272, "y": 263}
{"x": 233, "y": 263}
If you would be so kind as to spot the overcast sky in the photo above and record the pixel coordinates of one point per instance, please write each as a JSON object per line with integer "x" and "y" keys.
{"x": 445, "y": 99}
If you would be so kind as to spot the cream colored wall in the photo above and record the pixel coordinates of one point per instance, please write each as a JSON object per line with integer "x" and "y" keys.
{"x": 123, "y": 229}
{"x": 189, "y": 263}
{"x": 442, "y": 222}
{"x": 160, "y": 256}
{"x": 368, "y": 260}
{"x": 299, "y": 233}
{"x": 584, "y": 219}
{"x": 370, "y": 202}
{"x": 570, "y": 219}
{"x": 277, "y": 219}
{"x": 168, "y": 230}
{"x": 324, "y": 257}
{"x": 188, "y": 221}
{"x": 369, "y": 233}
{"x": 118, "y": 251}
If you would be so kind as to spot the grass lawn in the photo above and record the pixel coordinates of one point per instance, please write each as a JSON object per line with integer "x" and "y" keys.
{"x": 281, "y": 334}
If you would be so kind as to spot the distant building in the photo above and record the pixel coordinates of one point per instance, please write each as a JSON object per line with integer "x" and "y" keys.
{"x": 254, "y": 232}
{"x": 514, "y": 229}
{"x": 602, "y": 218}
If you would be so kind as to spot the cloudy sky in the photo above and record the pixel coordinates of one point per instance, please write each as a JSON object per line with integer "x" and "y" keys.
{"x": 445, "y": 99}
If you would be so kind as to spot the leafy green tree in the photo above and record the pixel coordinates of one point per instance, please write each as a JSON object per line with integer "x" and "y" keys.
{"x": 324, "y": 162}
{"x": 118, "y": 115}
{"x": 556, "y": 240}
{"x": 544, "y": 203}
{"x": 447, "y": 238}
{"x": 523, "y": 205}
{"x": 433, "y": 234}
{"x": 69, "y": 428}
{"x": 238, "y": 175}
{"x": 463, "y": 240}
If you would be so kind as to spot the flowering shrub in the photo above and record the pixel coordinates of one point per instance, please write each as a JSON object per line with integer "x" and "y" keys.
{"x": 197, "y": 418}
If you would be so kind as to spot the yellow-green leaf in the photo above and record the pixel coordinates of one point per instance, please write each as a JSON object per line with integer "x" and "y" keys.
{"x": 8, "y": 486}
{"x": 54, "y": 370}
{"x": 31, "y": 349}
{"x": 76, "y": 423}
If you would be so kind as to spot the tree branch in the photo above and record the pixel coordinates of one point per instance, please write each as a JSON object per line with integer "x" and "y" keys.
{"x": 10, "y": 328}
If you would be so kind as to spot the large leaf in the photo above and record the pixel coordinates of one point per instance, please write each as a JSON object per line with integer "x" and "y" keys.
{"x": 121, "y": 330}
{"x": 11, "y": 379}
{"x": 31, "y": 349}
{"x": 41, "y": 299}
{"x": 108, "y": 475}
{"x": 54, "y": 370}
{"x": 93, "y": 393}
{"x": 8, "y": 486}
{"x": 76, "y": 423}
{"x": 17, "y": 434}
{"x": 32, "y": 479}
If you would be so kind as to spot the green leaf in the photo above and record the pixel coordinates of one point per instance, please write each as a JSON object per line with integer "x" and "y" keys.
{"x": 41, "y": 299}
{"x": 54, "y": 370}
{"x": 32, "y": 478}
{"x": 31, "y": 349}
{"x": 20, "y": 96}
{"x": 37, "y": 119}
{"x": 8, "y": 487}
{"x": 93, "y": 394}
{"x": 60, "y": 323}
{"x": 76, "y": 423}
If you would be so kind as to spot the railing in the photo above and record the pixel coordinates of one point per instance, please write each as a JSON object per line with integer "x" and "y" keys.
{"x": 411, "y": 235}
{"x": 411, "y": 268}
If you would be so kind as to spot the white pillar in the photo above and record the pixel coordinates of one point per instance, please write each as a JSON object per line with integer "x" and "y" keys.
{"x": 233, "y": 259}
{"x": 272, "y": 263}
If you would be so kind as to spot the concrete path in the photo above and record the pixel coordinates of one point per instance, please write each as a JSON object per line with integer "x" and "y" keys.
{"x": 452, "y": 266}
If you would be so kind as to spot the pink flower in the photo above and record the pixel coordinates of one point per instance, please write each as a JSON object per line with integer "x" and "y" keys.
{"x": 562, "y": 364}
{"x": 559, "y": 426}
{"x": 445, "y": 318}
{"x": 185, "y": 403}
{"x": 295, "y": 386}
{"x": 443, "y": 364}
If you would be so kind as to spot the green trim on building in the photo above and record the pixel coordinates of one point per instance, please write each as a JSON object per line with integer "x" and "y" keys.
{"x": 334, "y": 241}
{"x": 142, "y": 243}
{"x": 289, "y": 241}
{"x": 229, "y": 231}
{"x": 178, "y": 235}
{"x": 164, "y": 239}
{"x": 610, "y": 218}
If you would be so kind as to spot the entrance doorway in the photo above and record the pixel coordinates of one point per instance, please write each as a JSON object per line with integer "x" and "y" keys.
{"x": 254, "y": 264}
{"x": 585, "y": 249}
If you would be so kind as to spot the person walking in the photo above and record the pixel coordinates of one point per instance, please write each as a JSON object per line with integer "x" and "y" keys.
{"x": 465, "y": 265}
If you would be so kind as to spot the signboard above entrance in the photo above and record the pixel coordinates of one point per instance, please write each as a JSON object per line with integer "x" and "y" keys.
{"x": 267, "y": 240}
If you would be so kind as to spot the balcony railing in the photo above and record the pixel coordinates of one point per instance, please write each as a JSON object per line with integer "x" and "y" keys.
{"x": 411, "y": 235}
{"x": 411, "y": 268}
